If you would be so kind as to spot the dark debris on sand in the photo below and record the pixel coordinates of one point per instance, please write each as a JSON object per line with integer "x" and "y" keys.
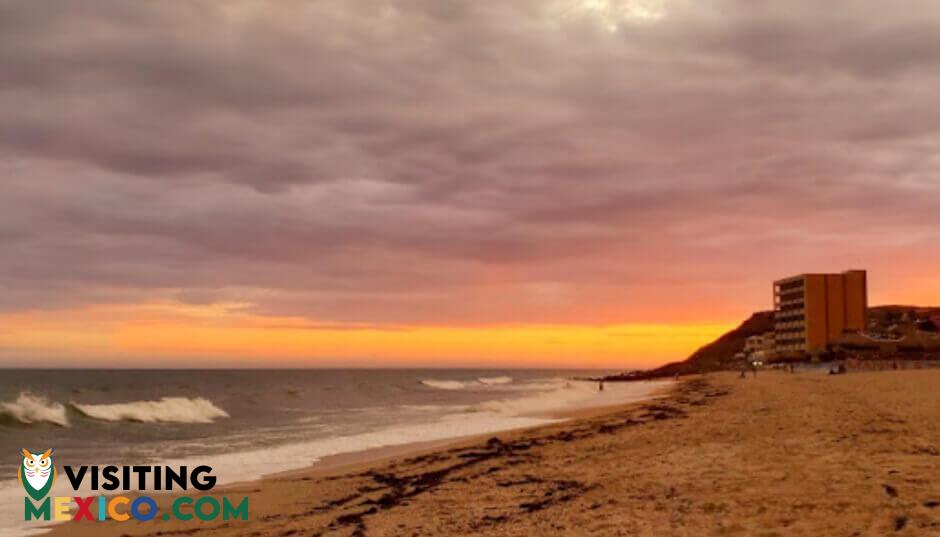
{"x": 411, "y": 478}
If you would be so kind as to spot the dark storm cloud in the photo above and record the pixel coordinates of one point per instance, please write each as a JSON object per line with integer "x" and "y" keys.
{"x": 442, "y": 161}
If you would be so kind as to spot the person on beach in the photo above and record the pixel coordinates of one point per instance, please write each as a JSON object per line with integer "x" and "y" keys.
{"x": 600, "y": 385}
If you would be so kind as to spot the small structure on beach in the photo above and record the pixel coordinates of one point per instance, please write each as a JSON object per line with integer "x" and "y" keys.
{"x": 760, "y": 348}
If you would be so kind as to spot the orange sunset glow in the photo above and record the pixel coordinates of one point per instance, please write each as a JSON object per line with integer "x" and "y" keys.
{"x": 174, "y": 335}
{"x": 450, "y": 268}
{"x": 580, "y": 184}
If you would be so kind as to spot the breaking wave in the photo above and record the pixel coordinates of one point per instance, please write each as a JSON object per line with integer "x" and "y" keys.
{"x": 166, "y": 410}
{"x": 493, "y": 381}
{"x": 461, "y": 384}
{"x": 444, "y": 384}
{"x": 29, "y": 409}
{"x": 548, "y": 397}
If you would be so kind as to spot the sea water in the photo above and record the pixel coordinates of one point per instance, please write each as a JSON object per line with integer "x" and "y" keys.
{"x": 250, "y": 423}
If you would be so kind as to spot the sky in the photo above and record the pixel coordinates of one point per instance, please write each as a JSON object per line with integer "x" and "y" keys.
{"x": 580, "y": 183}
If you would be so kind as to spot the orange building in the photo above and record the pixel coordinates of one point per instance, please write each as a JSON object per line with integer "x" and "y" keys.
{"x": 813, "y": 310}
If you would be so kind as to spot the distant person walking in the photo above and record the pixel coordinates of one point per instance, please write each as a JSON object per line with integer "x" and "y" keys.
{"x": 600, "y": 385}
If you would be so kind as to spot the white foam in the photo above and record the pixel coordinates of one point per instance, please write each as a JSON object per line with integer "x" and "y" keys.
{"x": 570, "y": 395}
{"x": 493, "y": 381}
{"x": 444, "y": 384}
{"x": 485, "y": 418}
{"x": 11, "y": 508}
{"x": 166, "y": 410}
{"x": 29, "y": 409}
{"x": 250, "y": 465}
{"x": 255, "y": 463}
{"x": 490, "y": 417}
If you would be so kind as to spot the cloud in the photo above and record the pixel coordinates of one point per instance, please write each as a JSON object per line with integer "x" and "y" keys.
{"x": 461, "y": 162}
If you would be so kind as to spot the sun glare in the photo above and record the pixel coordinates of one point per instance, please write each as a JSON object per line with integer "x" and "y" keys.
{"x": 611, "y": 14}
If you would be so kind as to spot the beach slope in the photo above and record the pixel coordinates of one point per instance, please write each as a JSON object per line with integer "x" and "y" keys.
{"x": 780, "y": 454}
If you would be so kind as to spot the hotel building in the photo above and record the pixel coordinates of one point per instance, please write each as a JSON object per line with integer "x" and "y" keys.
{"x": 813, "y": 310}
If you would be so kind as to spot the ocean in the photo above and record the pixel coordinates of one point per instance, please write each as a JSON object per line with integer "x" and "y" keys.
{"x": 249, "y": 423}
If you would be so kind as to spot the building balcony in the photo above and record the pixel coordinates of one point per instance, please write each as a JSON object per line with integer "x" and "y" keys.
{"x": 784, "y": 286}
{"x": 788, "y": 296}
{"x": 796, "y": 306}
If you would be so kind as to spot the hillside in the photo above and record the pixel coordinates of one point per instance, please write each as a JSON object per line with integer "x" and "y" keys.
{"x": 913, "y": 322}
{"x": 715, "y": 356}
{"x": 719, "y": 354}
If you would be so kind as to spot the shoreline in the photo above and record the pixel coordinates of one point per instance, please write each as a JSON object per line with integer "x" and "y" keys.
{"x": 364, "y": 461}
{"x": 376, "y": 456}
{"x": 781, "y": 454}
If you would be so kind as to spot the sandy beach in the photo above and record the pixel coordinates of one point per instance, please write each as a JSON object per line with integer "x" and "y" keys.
{"x": 780, "y": 454}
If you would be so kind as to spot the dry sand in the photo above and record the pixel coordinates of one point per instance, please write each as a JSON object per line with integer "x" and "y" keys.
{"x": 803, "y": 454}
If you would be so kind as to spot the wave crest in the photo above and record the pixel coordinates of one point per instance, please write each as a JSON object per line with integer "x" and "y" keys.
{"x": 546, "y": 397}
{"x": 29, "y": 409}
{"x": 493, "y": 381}
{"x": 444, "y": 384}
{"x": 441, "y": 384}
{"x": 166, "y": 410}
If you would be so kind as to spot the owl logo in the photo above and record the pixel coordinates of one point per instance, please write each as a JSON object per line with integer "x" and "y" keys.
{"x": 37, "y": 473}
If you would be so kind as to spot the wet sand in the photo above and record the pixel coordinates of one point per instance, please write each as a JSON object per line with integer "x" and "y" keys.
{"x": 779, "y": 455}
